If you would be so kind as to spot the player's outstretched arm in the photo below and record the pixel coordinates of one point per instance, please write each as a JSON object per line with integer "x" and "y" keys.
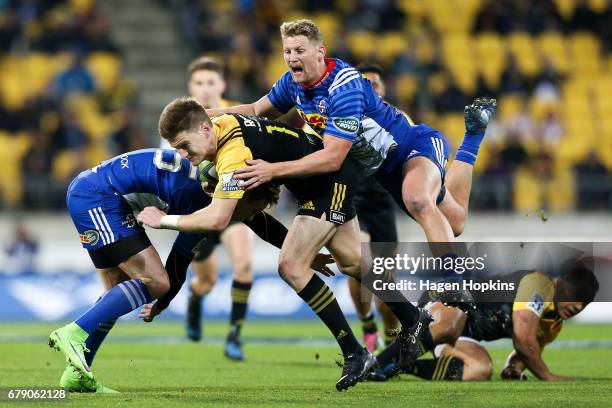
{"x": 525, "y": 325}
{"x": 214, "y": 217}
{"x": 263, "y": 107}
{"x": 327, "y": 160}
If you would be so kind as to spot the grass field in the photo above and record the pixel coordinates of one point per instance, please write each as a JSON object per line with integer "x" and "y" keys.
{"x": 289, "y": 364}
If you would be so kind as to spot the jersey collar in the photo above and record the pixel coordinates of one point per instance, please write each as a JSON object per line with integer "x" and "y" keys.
{"x": 331, "y": 64}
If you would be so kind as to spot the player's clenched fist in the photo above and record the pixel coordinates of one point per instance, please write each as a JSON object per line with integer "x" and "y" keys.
{"x": 151, "y": 216}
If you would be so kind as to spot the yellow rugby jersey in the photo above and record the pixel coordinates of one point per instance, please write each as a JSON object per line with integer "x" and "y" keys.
{"x": 536, "y": 292}
{"x": 241, "y": 138}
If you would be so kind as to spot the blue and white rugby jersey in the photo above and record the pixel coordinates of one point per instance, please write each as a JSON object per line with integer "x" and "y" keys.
{"x": 155, "y": 177}
{"x": 344, "y": 104}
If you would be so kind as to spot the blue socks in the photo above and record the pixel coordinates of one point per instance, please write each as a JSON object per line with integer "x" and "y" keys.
{"x": 94, "y": 341}
{"x": 118, "y": 301}
{"x": 468, "y": 151}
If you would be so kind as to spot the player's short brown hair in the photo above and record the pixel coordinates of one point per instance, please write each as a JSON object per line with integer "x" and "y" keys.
{"x": 182, "y": 114}
{"x": 205, "y": 64}
{"x": 303, "y": 27}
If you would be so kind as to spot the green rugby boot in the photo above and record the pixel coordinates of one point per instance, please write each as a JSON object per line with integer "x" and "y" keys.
{"x": 70, "y": 340}
{"x": 73, "y": 381}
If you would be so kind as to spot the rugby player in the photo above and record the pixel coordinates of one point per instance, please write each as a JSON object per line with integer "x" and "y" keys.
{"x": 376, "y": 215}
{"x": 326, "y": 211}
{"x": 409, "y": 161}
{"x": 101, "y": 201}
{"x": 533, "y": 320}
{"x": 207, "y": 85}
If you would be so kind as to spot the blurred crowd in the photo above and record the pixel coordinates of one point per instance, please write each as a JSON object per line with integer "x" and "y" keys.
{"x": 548, "y": 62}
{"x": 64, "y": 105}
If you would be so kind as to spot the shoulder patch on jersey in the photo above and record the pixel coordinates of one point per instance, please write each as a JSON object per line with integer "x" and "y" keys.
{"x": 346, "y": 125}
{"x": 229, "y": 183}
{"x": 536, "y": 304}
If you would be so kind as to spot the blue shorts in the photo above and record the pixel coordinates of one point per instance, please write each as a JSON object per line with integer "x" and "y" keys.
{"x": 428, "y": 143}
{"x": 100, "y": 215}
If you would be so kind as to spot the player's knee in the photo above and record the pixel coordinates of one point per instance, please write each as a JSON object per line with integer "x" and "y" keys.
{"x": 482, "y": 371}
{"x": 351, "y": 268}
{"x": 418, "y": 205}
{"x": 458, "y": 227}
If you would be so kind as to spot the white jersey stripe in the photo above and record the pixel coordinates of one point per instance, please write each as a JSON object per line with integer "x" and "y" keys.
{"x": 107, "y": 225}
{"x": 344, "y": 82}
{"x": 343, "y": 73}
{"x": 93, "y": 219}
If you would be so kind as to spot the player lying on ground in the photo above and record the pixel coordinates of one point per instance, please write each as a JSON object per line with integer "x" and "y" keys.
{"x": 533, "y": 320}
{"x": 207, "y": 85}
{"x": 326, "y": 215}
{"x": 100, "y": 203}
{"x": 409, "y": 161}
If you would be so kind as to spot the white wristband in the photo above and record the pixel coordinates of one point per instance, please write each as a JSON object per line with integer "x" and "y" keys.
{"x": 169, "y": 222}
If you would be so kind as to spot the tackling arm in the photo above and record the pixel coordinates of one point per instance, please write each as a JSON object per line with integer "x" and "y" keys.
{"x": 528, "y": 350}
{"x": 214, "y": 217}
{"x": 263, "y": 107}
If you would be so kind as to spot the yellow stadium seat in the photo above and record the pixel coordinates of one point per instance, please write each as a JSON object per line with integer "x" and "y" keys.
{"x": 412, "y": 8}
{"x": 522, "y": 47}
{"x": 552, "y": 46}
{"x": 95, "y": 153}
{"x": 328, "y": 23}
{"x": 82, "y": 7}
{"x": 275, "y": 68}
{"x": 565, "y": 8}
{"x": 106, "y": 68}
{"x": 509, "y": 105}
{"x": 452, "y": 127}
{"x": 362, "y": 44}
{"x": 13, "y": 149}
{"x": 65, "y": 164}
{"x": 599, "y": 5}
{"x": 527, "y": 195}
{"x": 406, "y": 86}
{"x": 560, "y": 192}
{"x": 490, "y": 50}
{"x": 390, "y": 45}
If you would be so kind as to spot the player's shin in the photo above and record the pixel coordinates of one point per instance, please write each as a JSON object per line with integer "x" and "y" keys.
{"x": 322, "y": 301}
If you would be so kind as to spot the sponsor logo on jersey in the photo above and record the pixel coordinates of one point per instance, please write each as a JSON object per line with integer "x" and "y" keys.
{"x": 346, "y": 125}
{"x": 536, "y": 303}
{"x": 229, "y": 183}
{"x": 129, "y": 220}
{"x": 337, "y": 217}
{"x": 314, "y": 120}
{"x": 308, "y": 205}
{"x": 89, "y": 237}
{"x": 125, "y": 162}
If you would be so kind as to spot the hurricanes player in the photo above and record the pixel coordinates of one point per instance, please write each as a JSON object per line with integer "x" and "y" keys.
{"x": 409, "y": 161}
{"x": 207, "y": 85}
{"x": 533, "y": 320}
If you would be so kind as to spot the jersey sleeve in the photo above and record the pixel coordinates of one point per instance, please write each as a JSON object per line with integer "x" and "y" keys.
{"x": 346, "y": 106}
{"x": 281, "y": 95}
{"x": 231, "y": 157}
{"x": 187, "y": 201}
{"x": 536, "y": 293}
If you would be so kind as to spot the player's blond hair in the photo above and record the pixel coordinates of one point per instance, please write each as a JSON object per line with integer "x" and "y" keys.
{"x": 304, "y": 27}
{"x": 182, "y": 114}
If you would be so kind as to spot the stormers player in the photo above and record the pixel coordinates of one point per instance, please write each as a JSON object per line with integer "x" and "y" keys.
{"x": 207, "y": 85}
{"x": 325, "y": 202}
{"x": 376, "y": 215}
{"x": 409, "y": 161}
{"x": 532, "y": 320}
{"x": 101, "y": 201}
